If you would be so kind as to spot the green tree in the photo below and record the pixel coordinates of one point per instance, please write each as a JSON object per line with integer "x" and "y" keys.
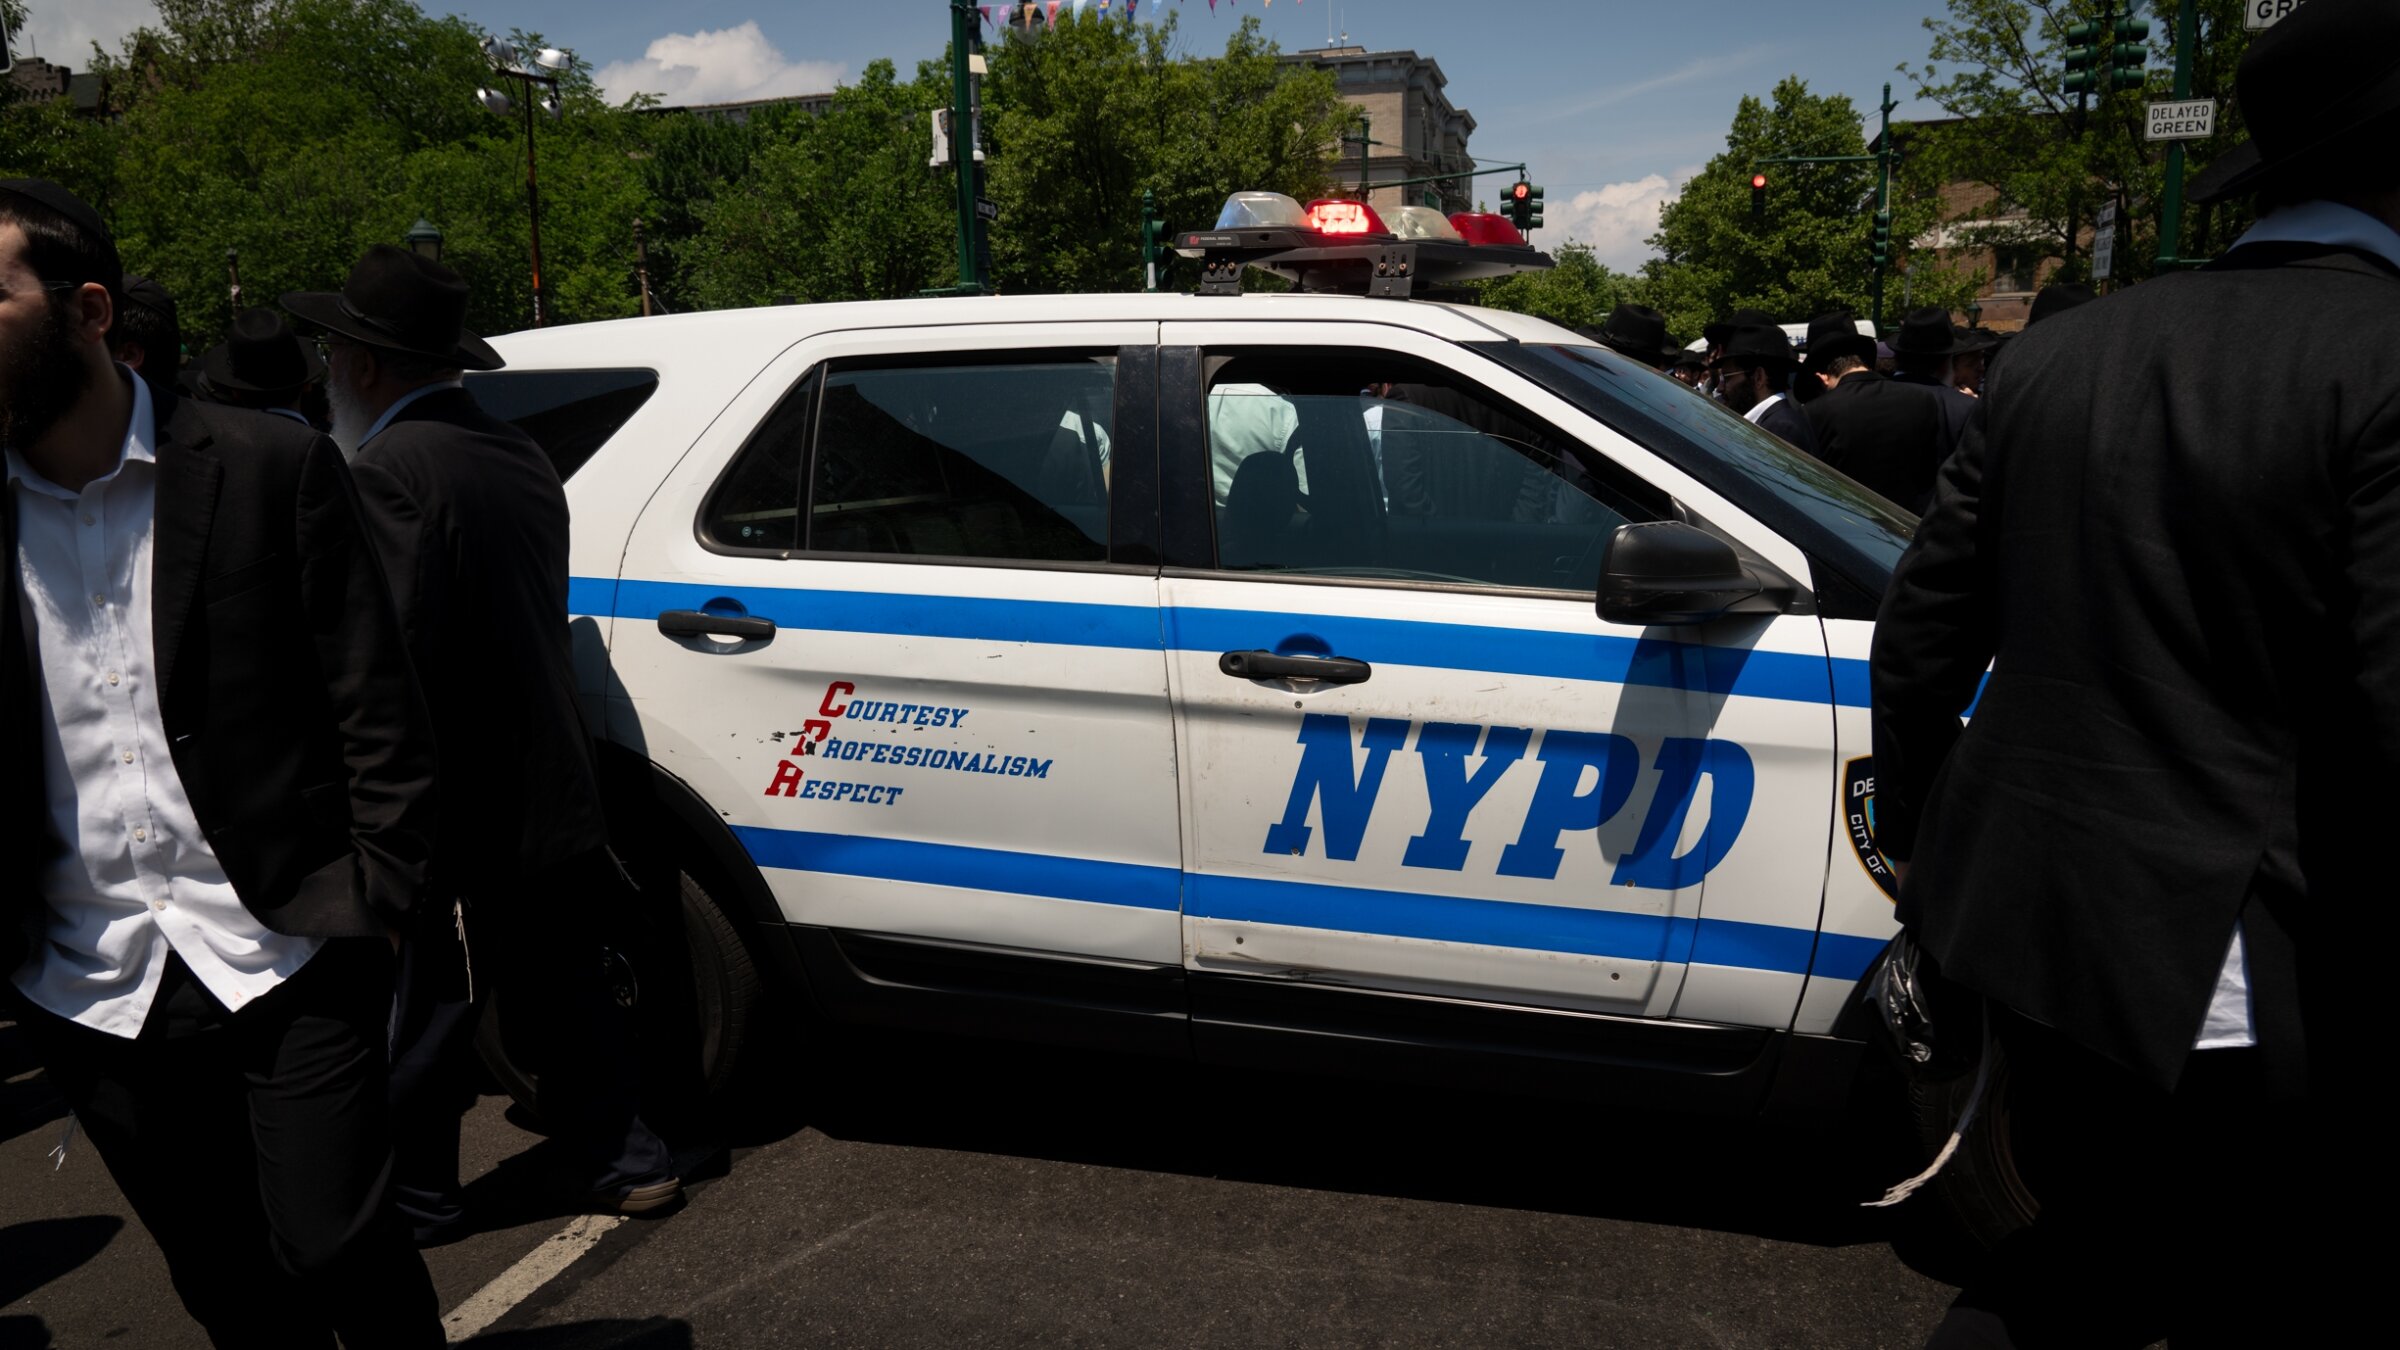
{"x": 1578, "y": 293}
{"x": 1085, "y": 117}
{"x": 1998, "y": 68}
{"x": 1811, "y": 252}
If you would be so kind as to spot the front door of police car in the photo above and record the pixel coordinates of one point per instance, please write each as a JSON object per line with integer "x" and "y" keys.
{"x": 955, "y": 723}
{"x": 1412, "y": 757}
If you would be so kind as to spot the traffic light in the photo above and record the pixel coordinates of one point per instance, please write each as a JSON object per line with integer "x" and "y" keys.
{"x": 2129, "y": 57}
{"x": 1758, "y": 199}
{"x": 1882, "y": 239}
{"x": 1519, "y": 206}
{"x": 1154, "y": 242}
{"x": 1533, "y": 207}
{"x": 2083, "y": 56}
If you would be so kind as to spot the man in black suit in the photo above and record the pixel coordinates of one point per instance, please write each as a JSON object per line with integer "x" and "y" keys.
{"x": 1754, "y": 369}
{"x": 1887, "y": 436}
{"x": 217, "y": 807}
{"x": 262, "y": 364}
{"x": 2173, "y": 536}
{"x": 1924, "y": 354}
{"x": 471, "y": 522}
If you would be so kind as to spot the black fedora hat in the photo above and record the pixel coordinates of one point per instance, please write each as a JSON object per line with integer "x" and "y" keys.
{"x": 1761, "y": 342}
{"x": 1927, "y": 332}
{"x": 399, "y": 302}
{"x": 2057, "y": 298}
{"x": 1714, "y": 334}
{"x": 1835, "y": 335}
{"x": 1690, "y": 358}
{"x": 1639, "y": 332}
{"x": 142, "y": 291}
{"x": 2318, "y": 86}
{"x": 261, "y": 355}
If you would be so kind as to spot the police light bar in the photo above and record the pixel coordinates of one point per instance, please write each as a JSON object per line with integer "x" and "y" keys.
{"x": 1486, "y": 227}
{"x": 1343, "y": 245}
{"x": 1338, "y": 216}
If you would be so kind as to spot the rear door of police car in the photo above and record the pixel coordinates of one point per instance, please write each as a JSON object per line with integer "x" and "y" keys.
{"x": 1412, "y": 757}
{"x": 888, "y": 618}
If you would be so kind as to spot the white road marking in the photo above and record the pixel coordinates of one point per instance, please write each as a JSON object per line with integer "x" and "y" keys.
{"x": 535, "y": 1269}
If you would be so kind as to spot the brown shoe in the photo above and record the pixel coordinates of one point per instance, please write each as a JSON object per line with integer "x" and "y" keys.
{"x": 646, "y": 1198}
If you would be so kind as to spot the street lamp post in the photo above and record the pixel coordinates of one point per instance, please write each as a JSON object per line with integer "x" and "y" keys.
{"x": 424, "y": 240}
{"x": 504, "y": 64}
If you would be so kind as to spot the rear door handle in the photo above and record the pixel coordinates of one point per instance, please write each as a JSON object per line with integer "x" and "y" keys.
{"x": 696, "y": 622}
{"x": 1269, "y": 666}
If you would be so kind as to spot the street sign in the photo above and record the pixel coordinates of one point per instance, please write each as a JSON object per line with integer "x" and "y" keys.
{"x": 2257, "y": 14}
{"x": 987, "y": 209}
{"x": 2104, "y": 242}
{"x": 2183, "y": 119}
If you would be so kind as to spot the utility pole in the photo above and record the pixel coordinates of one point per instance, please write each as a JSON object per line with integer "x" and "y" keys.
{"x": 641, "y": 265}
{"x": 1880, "y": 229}
{"x": 963, "y": 145}
{"x": 2170, "y": 220}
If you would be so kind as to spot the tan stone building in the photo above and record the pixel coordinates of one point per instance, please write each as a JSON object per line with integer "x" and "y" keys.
{"x": 1411, "y": 129}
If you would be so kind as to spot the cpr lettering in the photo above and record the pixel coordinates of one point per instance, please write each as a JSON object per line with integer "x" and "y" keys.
{"x": 1586, "y": 779}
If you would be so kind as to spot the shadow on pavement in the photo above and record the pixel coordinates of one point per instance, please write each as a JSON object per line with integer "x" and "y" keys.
{"x": 1362, "y": 1137}
{"x": 25, "y": 1333}
{"x": 34, "y": 1253}
{"x": 650, "y": 1333}
{"x": 26, "y": 1100}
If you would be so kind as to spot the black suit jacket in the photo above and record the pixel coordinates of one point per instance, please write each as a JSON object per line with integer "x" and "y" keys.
{"x": 1887, "y": 436}
{"x": 284, "y": 686}
{"x": 2179, "y": 548}
{"x": 1788, "y": 420}
{"x": 471, "y": 522}
{"x": 1956, "y": 405}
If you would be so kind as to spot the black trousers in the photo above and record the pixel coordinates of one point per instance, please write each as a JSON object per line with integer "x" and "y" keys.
{"x": 532, "y": 948}
{"x": 253, "y": 1147}
{"x": 2200, "y": 1215}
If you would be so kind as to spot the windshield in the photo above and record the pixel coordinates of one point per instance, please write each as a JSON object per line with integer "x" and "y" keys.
{"x": 1838, "y": 522}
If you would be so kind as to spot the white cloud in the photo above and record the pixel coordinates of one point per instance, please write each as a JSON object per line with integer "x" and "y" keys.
{"x": 723, "y": 65}
{"x": 63, "y": 31}
{"x": 1616, "y": 218}
{"x": 1699, "y": 68}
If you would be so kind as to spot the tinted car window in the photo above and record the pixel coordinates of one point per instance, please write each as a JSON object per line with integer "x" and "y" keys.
{"x": 756, "y": 505}
{"x": 1338, "y": 464}
{"x": 1001, "y": 459}
{"x": 569, "y": 413}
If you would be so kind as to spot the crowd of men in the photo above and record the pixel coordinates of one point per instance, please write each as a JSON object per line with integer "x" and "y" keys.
{"x": 1885, "y": 414}
{"x": 297, "y": 779}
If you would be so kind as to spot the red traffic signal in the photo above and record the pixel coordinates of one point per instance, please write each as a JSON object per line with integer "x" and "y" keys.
{"x": 1758, "y": 197}
{"x": 1758, "y": 182}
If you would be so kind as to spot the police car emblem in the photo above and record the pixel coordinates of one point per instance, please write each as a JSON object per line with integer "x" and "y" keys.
{"x": 1858, "y": 821}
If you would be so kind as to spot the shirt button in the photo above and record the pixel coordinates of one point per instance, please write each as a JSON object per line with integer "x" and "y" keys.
{"x": 99, "y": 599}
{"x": 129, "y": 756}
{"x": 112, "y": 677}
{"x": 158, "y": 904}
{"x": 87, "y": 518}
{"x": 140, "y": 834}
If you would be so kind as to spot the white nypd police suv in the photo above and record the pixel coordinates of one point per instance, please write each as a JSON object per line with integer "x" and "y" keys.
{"x": 1299, "y": 678}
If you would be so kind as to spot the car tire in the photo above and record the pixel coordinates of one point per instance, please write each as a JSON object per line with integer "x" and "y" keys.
{"x": 1987, "y": 1191}
{"x": 692, "y": 991}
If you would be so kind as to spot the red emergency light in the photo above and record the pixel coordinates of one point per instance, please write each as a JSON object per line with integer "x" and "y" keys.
{"x": 1486, "y": 227}
{"x": 1331, "y": 215}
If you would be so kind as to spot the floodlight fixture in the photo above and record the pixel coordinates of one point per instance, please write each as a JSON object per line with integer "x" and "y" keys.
{"x": 552, "y": 58}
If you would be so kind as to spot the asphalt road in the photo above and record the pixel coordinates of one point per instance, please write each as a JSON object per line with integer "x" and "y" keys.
{"x": 918, "y": 1191}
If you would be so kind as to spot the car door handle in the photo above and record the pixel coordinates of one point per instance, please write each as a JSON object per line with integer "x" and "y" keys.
{"x": 1269, "y": 666}
{"x": 696, "y": 622}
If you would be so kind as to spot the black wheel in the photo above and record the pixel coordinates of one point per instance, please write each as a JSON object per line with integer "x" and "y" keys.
{"x": 1988, "y": 1190}
{"x": 691, "y": 993}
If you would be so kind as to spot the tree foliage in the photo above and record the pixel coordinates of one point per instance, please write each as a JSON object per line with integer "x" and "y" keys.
{"x": 1579, "y": 292}
{"x": 1998, "y": 66}
{"x": 1811, "y": 252}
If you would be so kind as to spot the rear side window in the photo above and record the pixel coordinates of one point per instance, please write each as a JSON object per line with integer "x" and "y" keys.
{"x": 1004, "y": 458}
{"x": 569, "y": 413}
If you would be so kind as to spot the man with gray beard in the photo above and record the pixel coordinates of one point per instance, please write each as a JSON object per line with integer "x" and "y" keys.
{"x": 471, "y": 521}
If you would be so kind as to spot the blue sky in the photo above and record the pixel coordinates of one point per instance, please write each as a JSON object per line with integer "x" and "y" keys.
{"x": 1612, "y": 102}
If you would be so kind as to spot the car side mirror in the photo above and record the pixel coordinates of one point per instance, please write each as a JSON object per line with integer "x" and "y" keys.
{"x": 1668, "y": 572}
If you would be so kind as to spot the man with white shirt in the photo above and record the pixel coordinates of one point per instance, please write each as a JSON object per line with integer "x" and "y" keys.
{"x": 216, "y": 810}
{"x": 2159, "y": 848}
{"x": 1754, "y": 368}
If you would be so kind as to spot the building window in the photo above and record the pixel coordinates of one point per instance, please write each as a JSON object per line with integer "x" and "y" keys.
{"x": 2013, "y": 268}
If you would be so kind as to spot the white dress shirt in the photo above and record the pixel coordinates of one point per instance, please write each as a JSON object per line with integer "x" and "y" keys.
{"x": 376, "y": 428}
{"x": 293, "y": 414}
{"x": 1759, "y": 409}
{"x": 137, "y": 881}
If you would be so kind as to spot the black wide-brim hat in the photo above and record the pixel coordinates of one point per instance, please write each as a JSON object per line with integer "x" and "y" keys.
{"x": 1835, "y": 335}
{"x": 262, "y": 355}
{"x": 1761, "y": 342}
{"x": 1640, "y": 332}
{"x": 2319, "y": 86}
{"x": 399, "y": 302}
{"x": 1714, "y": 334}
{"x": 1927, "y": 332}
